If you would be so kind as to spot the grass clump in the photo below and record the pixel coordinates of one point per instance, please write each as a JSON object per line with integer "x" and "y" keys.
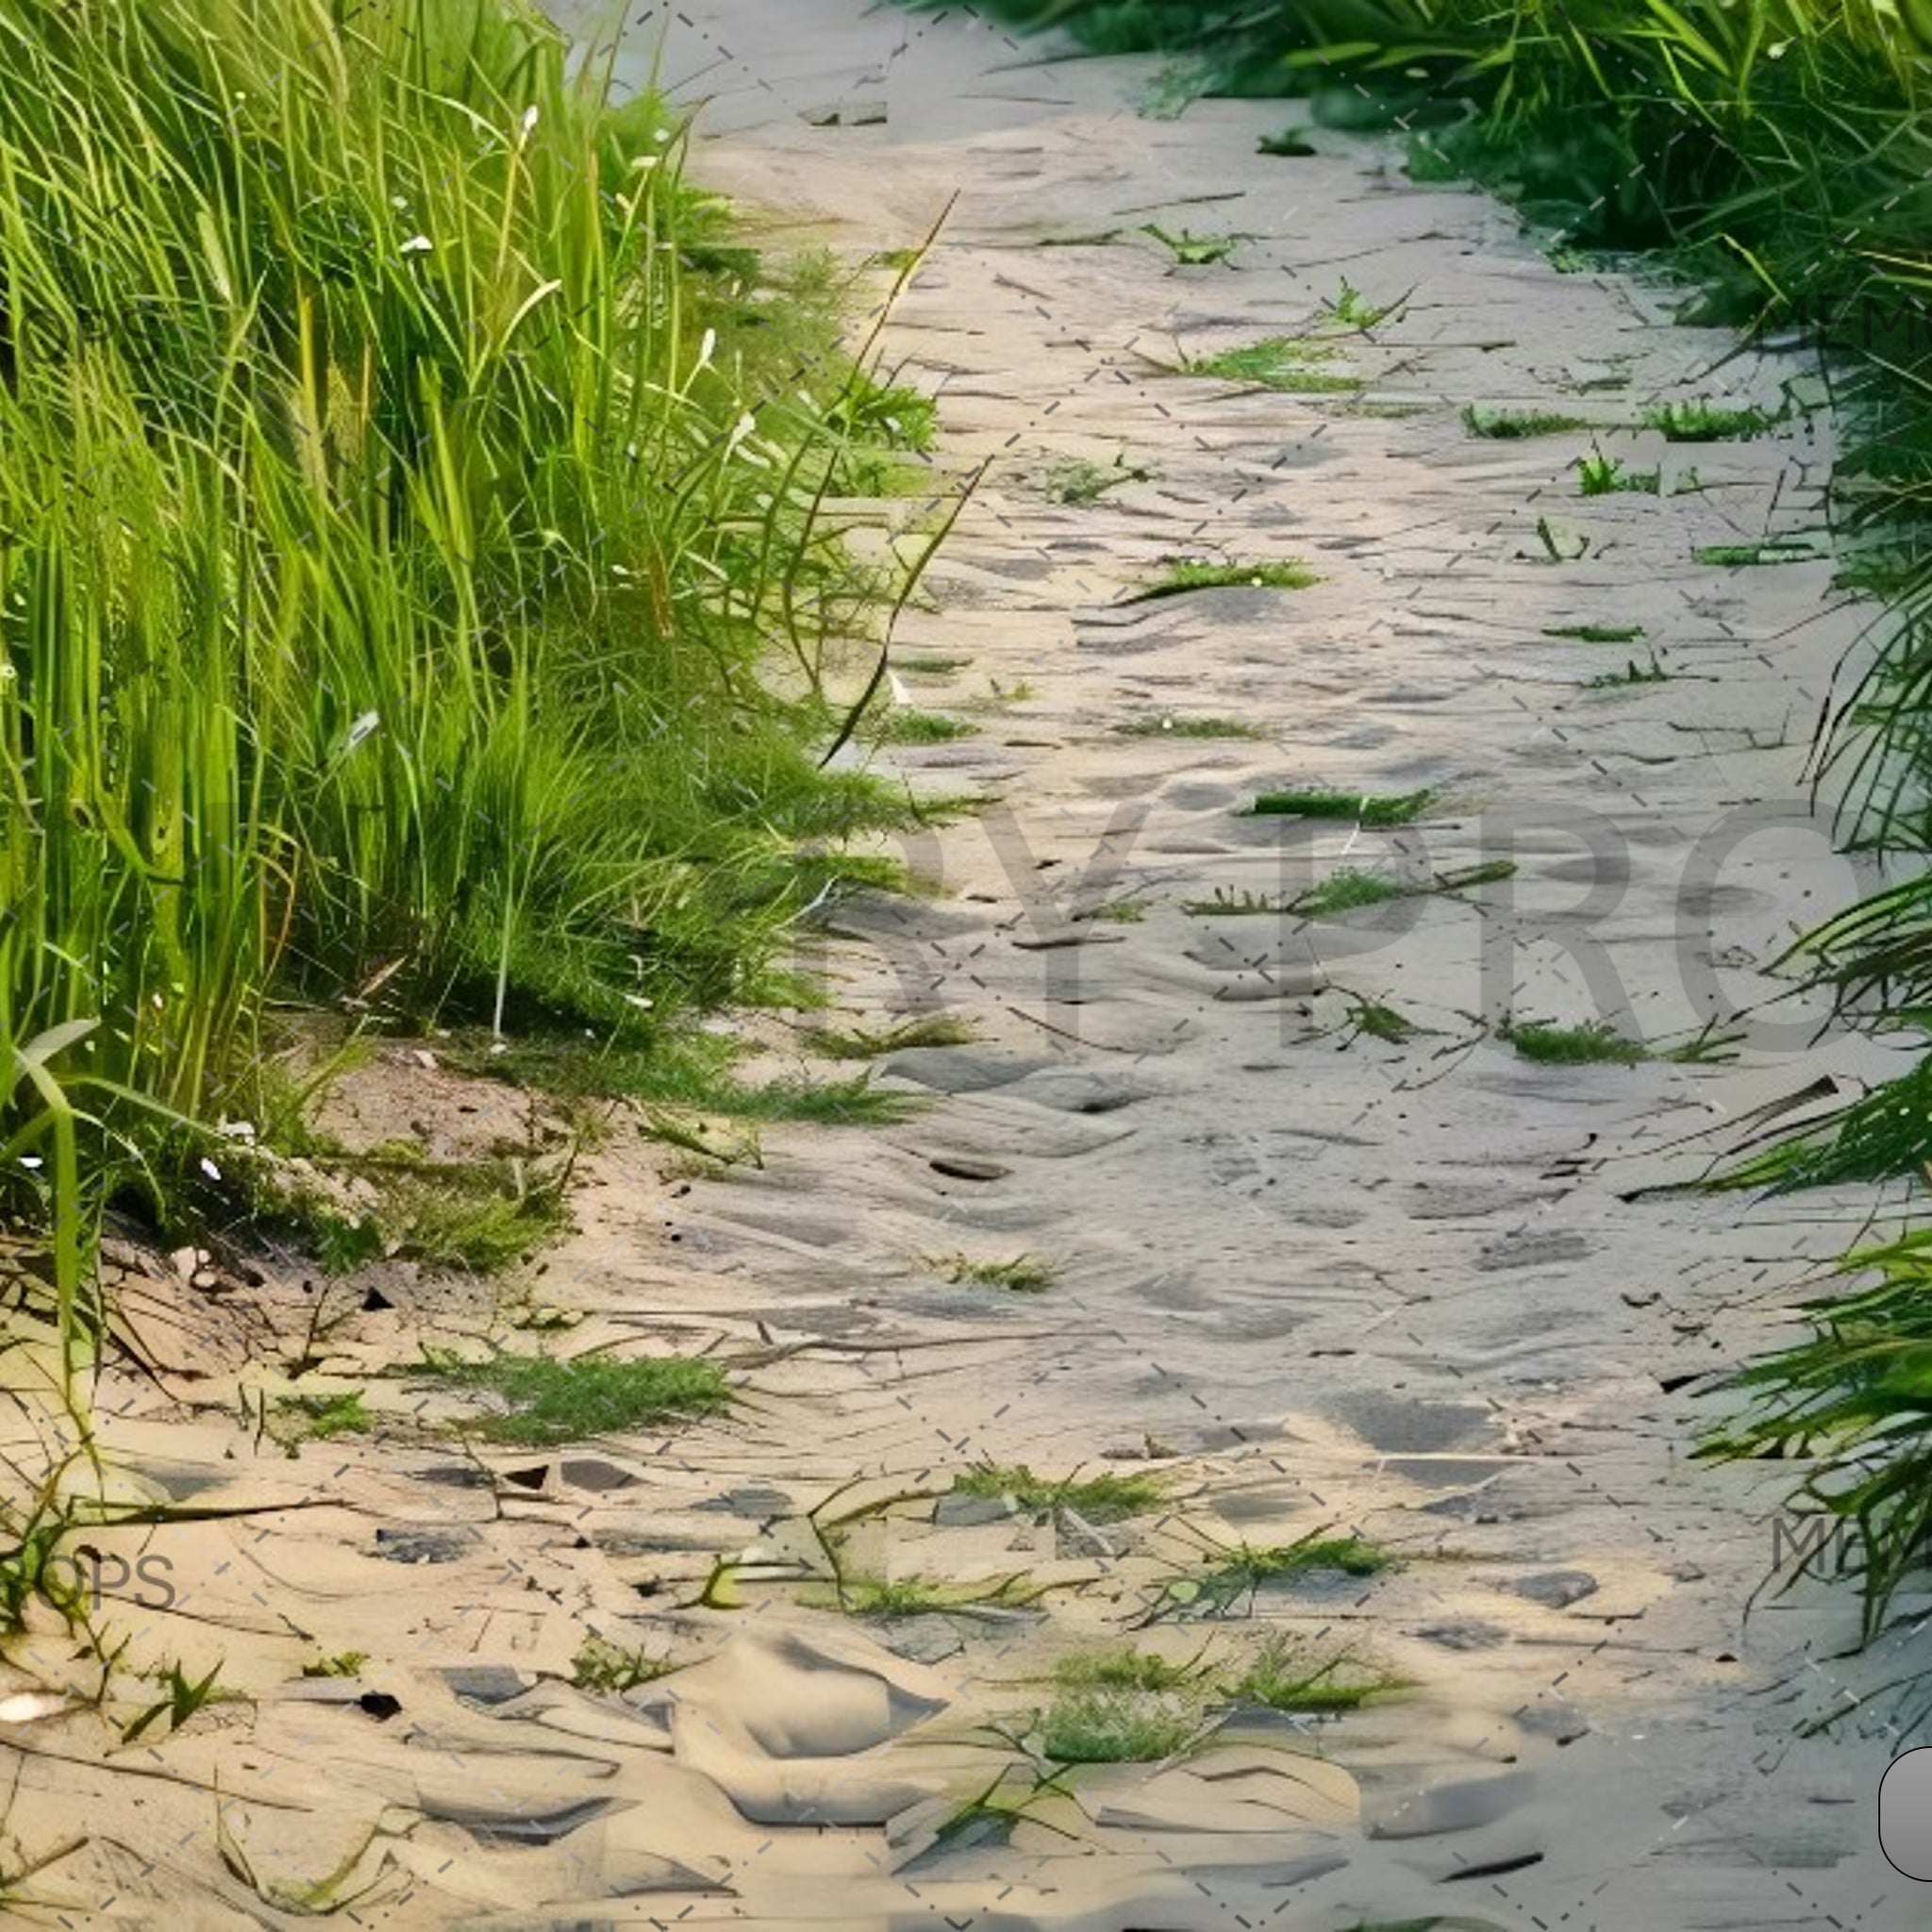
{"x": 183, "y": 1697}
{"x": 1242, "y": 1571}
{"x": 321, "y": 1418}
{"x": 1400, "y": 808}
{"x": 1701, "y": 422}
{"x": 1191, "y": 250}
{"x": 408, "y": 502}
{"x": 548, "y": 1401}
{"x": 609, "y": 1670}
{"x": 344, "y": 1663}
{"x": 1112, "y": 1727}
{"x": 1082, "y": 482}
{"x": 1516, "y": 424}
{"x": 904, "y": 725}
{"x": 1189, "y": 574}
{"x": 1598, "y": 1043}
{"x": 1283, "y": 1677}
{"x": 1023, "y": 1275}
{"x": 1226, "y": 902}
{"x": 1599, "y": 476}
{"x": 1745, "y": 556}
{"x": 865, "y": 1043}
{"x": 1347, "y": 890}
{"x": 1125, "y": 1670}
{"x": 1167, "y": 725}
{"x": 1280, "y": 363}
{"x": 1116, "y": 912}
{"x": 1099, "y": 1499}
{"x": 1598, "y": 633}
{"x": 1292, "y": 144}
{"x": 1633, "y": 672}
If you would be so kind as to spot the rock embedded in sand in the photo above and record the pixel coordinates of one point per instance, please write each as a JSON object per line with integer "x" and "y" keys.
{"x": 1556, "y": 1589}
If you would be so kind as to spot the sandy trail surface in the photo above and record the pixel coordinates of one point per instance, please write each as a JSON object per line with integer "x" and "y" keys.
{"x": 1329, "y": 1258}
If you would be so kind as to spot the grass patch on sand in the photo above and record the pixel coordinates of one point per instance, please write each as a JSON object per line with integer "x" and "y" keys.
{"x": 1284, "y": 1677}
{"x": 1596, "y": 633}
{"x": 1187, "y": 574}
{"x": 1510, "y": 425}
{"x": 1368, "y": 809}
{"x": 1023, "y": 1275}
{"x": 1701, "y": 422}
{"x": 1348, "y": 891}
{"x": 1632, "y": 674}
{"x": 1746, "y": 556}
{"x": 1167, "y": 725}
{"x": 1598, "y": 1043}
{"x": 548, "y": 1400}
{"x": 1191, "y": 250}
{"x": 1100, "y": 1726}
{"x": 1106, "y": 1498}
{"x": 1081, "y": 482}
{"x": 867, "y": 1043}
{"x": 1288, "y": 363}
{"x": 319, "y": 1418}
{"x": 1240, "y": 1571}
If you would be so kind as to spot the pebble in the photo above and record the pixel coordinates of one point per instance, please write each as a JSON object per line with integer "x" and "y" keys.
{"x": 1557, "y": 1588}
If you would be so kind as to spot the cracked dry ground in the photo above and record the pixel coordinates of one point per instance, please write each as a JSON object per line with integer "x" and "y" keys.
{"x": 1317, "y": 1277}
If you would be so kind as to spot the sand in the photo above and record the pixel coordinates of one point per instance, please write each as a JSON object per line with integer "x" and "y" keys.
{"x": 1418, "y": 1291}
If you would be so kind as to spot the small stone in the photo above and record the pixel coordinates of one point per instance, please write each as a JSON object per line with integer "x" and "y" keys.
{"x": 959, "y": 1168}
{"x": 1550, "y": 1717}
{"x": 921, "y": 1640}
{"x": 1556, "y": 1589}
{"x": 426, "y": 1545}
{"x": 1462, "y": 1633}
{"x": 486, "y": 1683}
{"x": 1641, "y": 1298}
{"x": 1684, "y": 1572}
{"x": 956, "y": 1511}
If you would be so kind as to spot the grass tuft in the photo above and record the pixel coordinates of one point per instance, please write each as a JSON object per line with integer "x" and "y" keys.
{"x": 1514, "y": 424}
{"x": 1187, "y": 574}
{"x": 1106, "y": 1498}
{"x": 1597, "y": 1044}
{"x": 1400, "y": 808}
{"x": 548, "y": 1401}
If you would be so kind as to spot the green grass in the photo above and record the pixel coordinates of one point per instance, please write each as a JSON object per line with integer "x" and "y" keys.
{"x": 1347, "y": 890}
{"x": 609, "y": 1670}
{"x": 1280, "y": 362}
{"x": 1190, "y": 574}
{"x": 1598, "y": 633}
{"x": 1744, "y": 556}
{"x": 1191, "y": 250}
{"x": 1515, "y": 425}
{"x": 414, "y": 591}
{"x": 931, "y": 664}
{"x": 867, "y": 1043}
{"x": 1082, "y": 482}
{"x": 1283, "y": 1677}
{"x": 1226, "y": 902}
{"x": 1246, "y": 1568}
{"x": 548, "y": 1401}
{"x": 1125, "y": 1670}
{"x": 1701, "y": 422}
{"x": 1167, "y": 725}
{"x": 1602, "y": 476}
{"x": 1292, "y": 144}
{"x": 1023, "y": 1275}
{"x": 1633, "y": 672}
{"x": 1399, "y": 809}
{"x": 1597, "y": 1044}
{"x": 1113, "y": 1727}
{"x": 1116, "y": 912}
{"x": 1100, "y": 1499}
{"x": 321, "y": 1418}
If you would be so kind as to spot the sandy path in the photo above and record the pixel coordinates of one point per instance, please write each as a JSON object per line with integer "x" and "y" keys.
{"x": 1309, "y": 1276}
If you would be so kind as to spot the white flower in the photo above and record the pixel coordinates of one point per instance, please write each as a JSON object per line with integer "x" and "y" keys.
{"x": 32, "y": 1162}
{"x": 639, "y": 1000}
{"x": 418, "y": 244}
{"x": 706, "y": 349}
{"x": 530, "y": 119}
{"x": 208, "y": 1168}
{"x": 360, "y": 729}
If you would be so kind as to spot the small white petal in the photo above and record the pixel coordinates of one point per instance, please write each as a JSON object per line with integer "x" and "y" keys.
{"x": 208, "y": 1168}
{"x": 418, "y": 244}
